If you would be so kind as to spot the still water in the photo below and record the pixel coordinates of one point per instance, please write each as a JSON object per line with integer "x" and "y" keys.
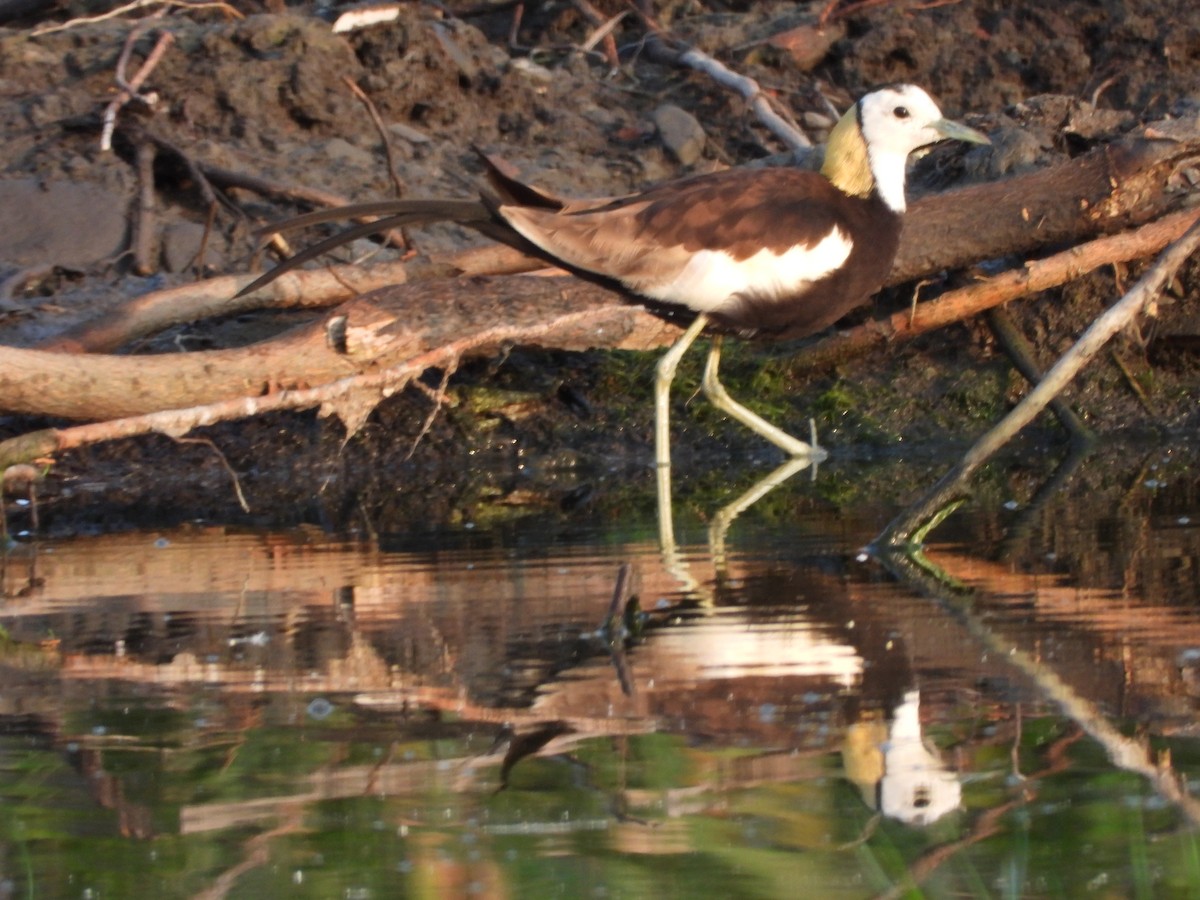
{"x": 488, "y": 711}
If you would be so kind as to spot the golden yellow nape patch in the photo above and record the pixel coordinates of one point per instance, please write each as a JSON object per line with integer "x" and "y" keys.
{"x": 846, "y": 164}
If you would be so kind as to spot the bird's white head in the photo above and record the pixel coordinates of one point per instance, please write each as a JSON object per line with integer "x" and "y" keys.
{"x": 889, "y": 124}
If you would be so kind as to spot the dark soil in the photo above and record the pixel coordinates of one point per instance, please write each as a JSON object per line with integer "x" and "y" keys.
{"x": 266, "y": 95}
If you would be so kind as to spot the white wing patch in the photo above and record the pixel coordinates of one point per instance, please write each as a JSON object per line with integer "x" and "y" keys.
{"x": 711, "y": 277}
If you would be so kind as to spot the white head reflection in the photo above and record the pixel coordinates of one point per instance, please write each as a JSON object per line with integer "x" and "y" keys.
{"x": 897, "y": 772}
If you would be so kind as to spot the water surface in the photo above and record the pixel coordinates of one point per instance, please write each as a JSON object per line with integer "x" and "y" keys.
{"x": 211, "y": 711}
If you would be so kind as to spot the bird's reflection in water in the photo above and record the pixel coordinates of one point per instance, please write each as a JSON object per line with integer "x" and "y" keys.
{"x": 673, "y": 560}
{"x": 898, "y": 773}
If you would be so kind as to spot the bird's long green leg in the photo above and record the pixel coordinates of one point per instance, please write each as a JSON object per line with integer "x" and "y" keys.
{"x": 715, "y": 391}
{"x": 662, "y": 390}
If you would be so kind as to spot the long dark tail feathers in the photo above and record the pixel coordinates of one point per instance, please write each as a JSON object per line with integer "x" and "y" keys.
{"x": 428, "y": 210}
{"x": 396, "y": 214}
{"x": 482, "y": 215}
{"x": 502, "y": 179}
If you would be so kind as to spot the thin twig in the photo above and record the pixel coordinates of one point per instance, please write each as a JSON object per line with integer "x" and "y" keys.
{"x": 131, "y": 7}
{"x": 1132, "y": 382}
{"x": 439, "y": 399}
{"x": 603, "y": 31}
{"x": 1020, "y": 353}
{"x": 656, "y": 43}
{"x": 145, "y": 224}
{"x": 398, "y": 186}
{"x": 197, "y": 262}
{"x": 237, "y": 483}
{"x": 131, "y": 89}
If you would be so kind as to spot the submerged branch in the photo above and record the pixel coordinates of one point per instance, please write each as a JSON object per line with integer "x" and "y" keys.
{"x": 1116, "y": 317}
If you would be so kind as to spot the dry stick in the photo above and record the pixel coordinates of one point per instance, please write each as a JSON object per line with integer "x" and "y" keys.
{"x": 749, "y": 89}
{"x": 150, "y": 313}
{"x": 130, "y": 7}
{"x": 335, "y": 397}
{"x": 373, "y": 112}
{"x": 1020, "y": 354}
{"x": 130, "y": 89}
{"x": 197, "y": 261}
{"x": 1031, "y": 278}
{"x": 438, "y": 398}
{"x": 1116, "y": 317}
{"x": 237, "y": 482}
{"x": 145, "y": 227}
{"x": 305, "y": 288}
{"x": 603, "y": 31}
{"x": 397, "y": 185}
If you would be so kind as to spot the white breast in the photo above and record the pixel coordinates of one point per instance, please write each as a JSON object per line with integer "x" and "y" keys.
{"x": 711, "y": 277}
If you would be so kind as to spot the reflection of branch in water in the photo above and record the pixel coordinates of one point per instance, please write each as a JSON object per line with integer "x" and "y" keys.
{"x": 1028, "y": 516}
{"x": 1125, "y": 753}
{"x": 30, "y": 581}
{"x": 257, "y": 849}
{"x": 988, "y": 822}
{"x": 522, "y": 745}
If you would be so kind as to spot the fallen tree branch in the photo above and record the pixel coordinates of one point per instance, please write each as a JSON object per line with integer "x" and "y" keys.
{"x": 1032, "y": 278}
{"x": 321, "y": 288}
{"x": 1112, "y": 187}
{"x": 350, "y": 398}
{"x": 158, "y": 310}
{"x": 382, "y": 329}
{"x": 1101, "y": 190}
{"x": 416, "y": 318}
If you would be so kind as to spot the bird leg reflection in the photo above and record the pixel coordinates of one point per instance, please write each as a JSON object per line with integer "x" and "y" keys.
{"x": 719, "y": 526}
{"x": 673, "y": 560}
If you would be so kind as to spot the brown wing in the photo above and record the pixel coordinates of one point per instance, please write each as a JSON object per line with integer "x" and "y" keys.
{"x": 648, "y": 238}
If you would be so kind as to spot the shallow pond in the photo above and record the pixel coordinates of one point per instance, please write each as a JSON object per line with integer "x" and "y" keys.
{"x": 490, "y": 711}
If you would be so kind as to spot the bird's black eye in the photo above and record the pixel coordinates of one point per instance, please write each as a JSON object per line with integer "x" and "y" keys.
{"x": 900, "y": 112}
